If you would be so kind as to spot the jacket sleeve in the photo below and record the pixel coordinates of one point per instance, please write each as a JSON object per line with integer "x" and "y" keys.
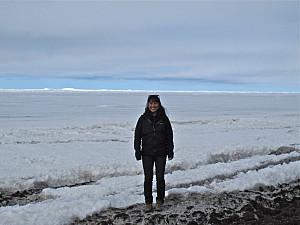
{"x": 170, "y": 143}
{"x": 137, "y": 139}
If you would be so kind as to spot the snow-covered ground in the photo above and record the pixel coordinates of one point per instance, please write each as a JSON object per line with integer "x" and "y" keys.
{"x": 55, "y": 139}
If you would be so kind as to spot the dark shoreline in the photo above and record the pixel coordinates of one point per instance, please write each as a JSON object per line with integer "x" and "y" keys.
{"x": 268, "y": 205}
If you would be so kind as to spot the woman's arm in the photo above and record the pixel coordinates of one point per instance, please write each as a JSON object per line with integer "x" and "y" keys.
{"x": 137, "y": 140}
{"x": 170, "y": 143}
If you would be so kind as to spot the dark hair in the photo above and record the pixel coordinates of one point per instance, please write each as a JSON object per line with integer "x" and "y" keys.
{"x": 161, "y": 112}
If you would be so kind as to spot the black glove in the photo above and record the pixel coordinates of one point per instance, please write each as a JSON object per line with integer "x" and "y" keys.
{"x": 171, "y": 155}
{"x": 138, "y": 155}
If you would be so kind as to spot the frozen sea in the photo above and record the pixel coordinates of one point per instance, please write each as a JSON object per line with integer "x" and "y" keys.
{"x": 77, "y": 146}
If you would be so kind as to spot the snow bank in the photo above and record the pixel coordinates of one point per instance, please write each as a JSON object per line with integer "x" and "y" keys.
{"x": 67, "y": 202}
{"x": 253, "y": 179}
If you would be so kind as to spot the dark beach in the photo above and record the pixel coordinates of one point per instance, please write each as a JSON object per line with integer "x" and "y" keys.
{"x": 268, "y": 205}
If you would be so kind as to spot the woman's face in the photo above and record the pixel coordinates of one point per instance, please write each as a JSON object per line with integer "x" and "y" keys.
{"x": 153, "y": 106}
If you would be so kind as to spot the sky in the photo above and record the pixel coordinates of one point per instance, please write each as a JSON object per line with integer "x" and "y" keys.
{"x": 150, "y": 45}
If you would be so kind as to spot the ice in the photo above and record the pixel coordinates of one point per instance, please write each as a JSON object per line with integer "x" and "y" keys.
{"x": 270, "y": 176}
{"x": 77, "y": 147}
{"x": 203, "y": 173}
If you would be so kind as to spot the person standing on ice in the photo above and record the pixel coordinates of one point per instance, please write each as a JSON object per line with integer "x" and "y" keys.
{"x": 153, "y": 143}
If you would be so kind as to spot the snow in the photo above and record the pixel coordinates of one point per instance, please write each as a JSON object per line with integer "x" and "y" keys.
{"x": 53, "y": 139}
{"x": 270, "y": 176}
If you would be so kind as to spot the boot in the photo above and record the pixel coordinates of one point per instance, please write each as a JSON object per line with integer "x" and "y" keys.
{"x": 159, "y": 205}
{"x": 148, "y": 207}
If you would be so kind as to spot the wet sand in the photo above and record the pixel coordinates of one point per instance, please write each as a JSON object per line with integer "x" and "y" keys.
{"x": 269, "y": 205}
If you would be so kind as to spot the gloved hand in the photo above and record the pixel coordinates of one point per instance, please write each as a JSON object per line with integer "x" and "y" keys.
{"x": 170, "y": 155}
{"x": 138, "y": 155}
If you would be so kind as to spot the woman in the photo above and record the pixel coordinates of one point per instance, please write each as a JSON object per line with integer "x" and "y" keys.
{"x": 153, "y": 143}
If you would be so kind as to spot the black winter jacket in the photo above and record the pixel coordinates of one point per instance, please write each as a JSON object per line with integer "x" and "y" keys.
{"x": 153, "y": 137}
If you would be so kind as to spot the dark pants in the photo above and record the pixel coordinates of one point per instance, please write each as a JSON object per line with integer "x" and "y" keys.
{"x": 160, "y": 163}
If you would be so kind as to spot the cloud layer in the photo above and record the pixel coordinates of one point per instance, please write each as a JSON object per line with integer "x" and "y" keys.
{"x": 246, "y": 43}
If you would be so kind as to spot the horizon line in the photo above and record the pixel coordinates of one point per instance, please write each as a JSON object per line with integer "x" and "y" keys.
{"x": 141, "y": 91}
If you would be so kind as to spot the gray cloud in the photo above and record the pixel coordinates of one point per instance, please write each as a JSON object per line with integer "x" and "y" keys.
{"x": 231, "y": 42}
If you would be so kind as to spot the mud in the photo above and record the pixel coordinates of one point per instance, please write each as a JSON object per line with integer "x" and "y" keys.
{"x": 20, "y": 197}
{"x": 28, "y": 196}
{"x": 269, "y": 205}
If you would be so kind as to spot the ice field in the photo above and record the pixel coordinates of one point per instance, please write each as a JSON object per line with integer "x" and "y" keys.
{"x": 77, "y": 146}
